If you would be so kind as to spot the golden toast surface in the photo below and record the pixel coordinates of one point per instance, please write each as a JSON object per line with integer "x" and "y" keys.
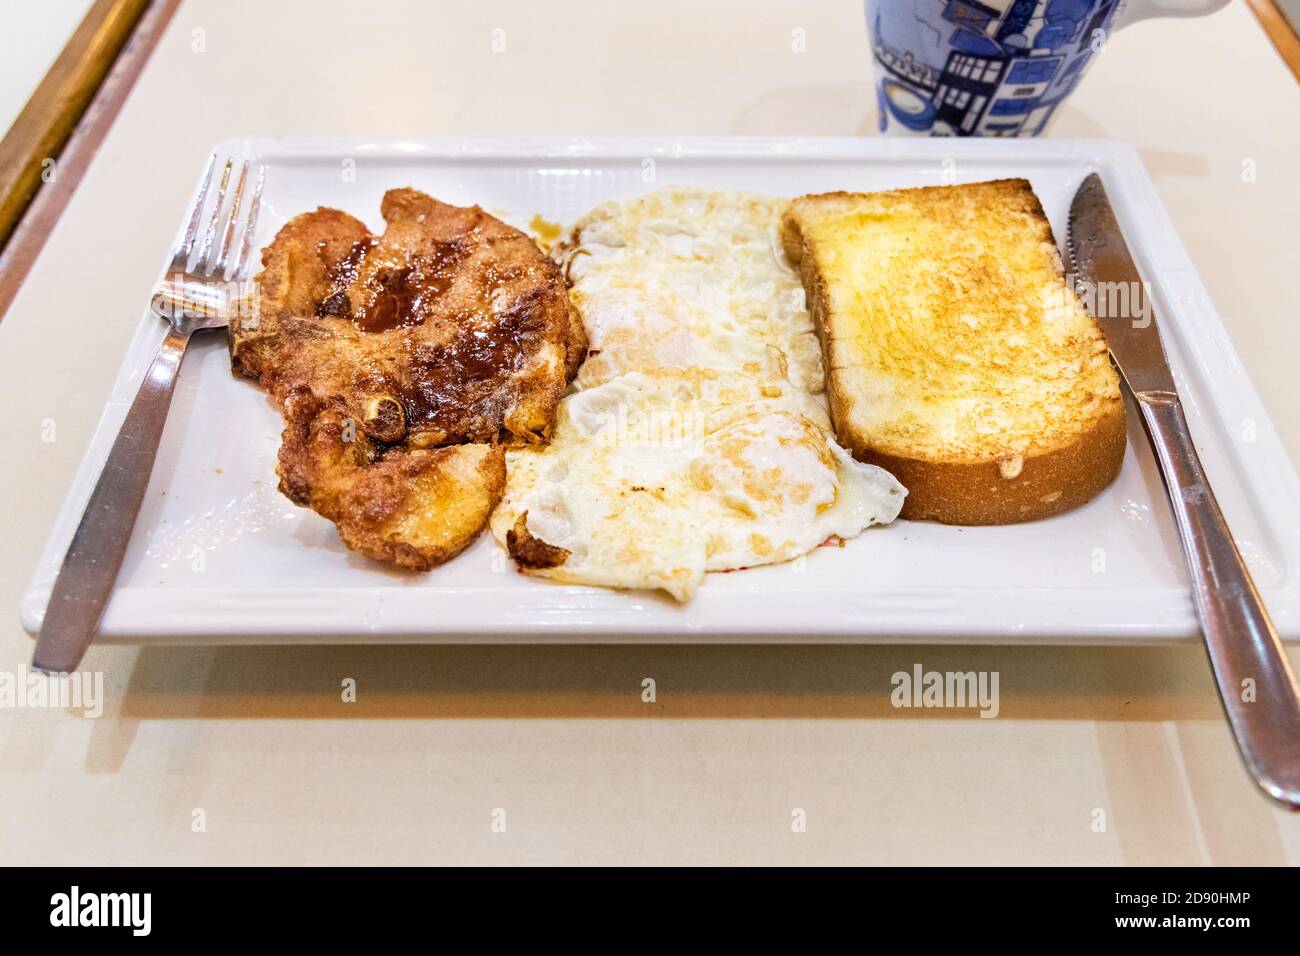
{"x": 954, "y": 345}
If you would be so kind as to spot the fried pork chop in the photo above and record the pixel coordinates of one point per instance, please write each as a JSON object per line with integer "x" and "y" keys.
{"x": 403, "y": 364}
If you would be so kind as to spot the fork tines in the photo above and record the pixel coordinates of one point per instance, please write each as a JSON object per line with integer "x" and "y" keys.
{"x": 222, "y": 217}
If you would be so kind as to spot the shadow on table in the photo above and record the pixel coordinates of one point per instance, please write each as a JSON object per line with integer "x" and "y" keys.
{"x": 1129, "y": 684}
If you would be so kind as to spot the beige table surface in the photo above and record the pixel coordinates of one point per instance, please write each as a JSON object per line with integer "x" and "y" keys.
{"x": 739, "y": 738}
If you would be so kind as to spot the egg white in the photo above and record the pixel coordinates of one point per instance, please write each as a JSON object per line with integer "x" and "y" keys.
{"x": 689, "y": 278}
{"x": 652, "y": 480}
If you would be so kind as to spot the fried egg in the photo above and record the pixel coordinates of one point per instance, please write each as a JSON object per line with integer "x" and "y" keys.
{"x": 653, "y": 479}
{"x": 693, "y": 441}
{"x": 690, "y": 278}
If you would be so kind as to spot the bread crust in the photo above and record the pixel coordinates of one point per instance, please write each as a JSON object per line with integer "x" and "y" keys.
{"x": 1004, "y": 490}
{"x": 979, "y": 493}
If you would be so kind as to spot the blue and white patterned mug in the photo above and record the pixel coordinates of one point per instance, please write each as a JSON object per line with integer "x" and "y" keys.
{"x": 992, "y": 67}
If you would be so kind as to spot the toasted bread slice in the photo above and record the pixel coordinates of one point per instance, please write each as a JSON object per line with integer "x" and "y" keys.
{"x": 957, "y": 356}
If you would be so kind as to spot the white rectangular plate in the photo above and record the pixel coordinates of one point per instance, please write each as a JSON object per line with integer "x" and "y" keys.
{"x": 219, "y": 556}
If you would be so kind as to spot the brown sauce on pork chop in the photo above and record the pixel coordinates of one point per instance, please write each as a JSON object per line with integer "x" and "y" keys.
{"x": 391, "y": 297}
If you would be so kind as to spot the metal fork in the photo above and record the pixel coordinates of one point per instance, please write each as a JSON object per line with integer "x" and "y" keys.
{"x": 190, "y": 299}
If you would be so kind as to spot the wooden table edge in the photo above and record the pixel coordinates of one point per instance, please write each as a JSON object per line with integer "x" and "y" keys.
{"x": 50, "y": 145}
{"x": 1280, "y": 31}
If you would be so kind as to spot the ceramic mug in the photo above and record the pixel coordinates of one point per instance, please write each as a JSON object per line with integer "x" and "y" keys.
{"x": 992, "y": 67}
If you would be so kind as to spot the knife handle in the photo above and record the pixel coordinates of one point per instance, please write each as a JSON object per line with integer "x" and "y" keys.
{"x": 85, "y": 581}
{"x": 1254, "y": 677}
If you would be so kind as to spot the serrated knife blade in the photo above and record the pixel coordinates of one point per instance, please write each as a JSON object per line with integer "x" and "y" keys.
{"x": 1253, "y": 675}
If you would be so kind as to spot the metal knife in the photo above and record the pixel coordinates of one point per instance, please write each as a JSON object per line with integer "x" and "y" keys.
{"x": 1255, "y": 681}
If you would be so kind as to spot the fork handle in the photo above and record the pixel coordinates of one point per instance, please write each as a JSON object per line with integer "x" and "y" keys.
{"x": 1254, "y": 678}
{"x": 85, "y": 581}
